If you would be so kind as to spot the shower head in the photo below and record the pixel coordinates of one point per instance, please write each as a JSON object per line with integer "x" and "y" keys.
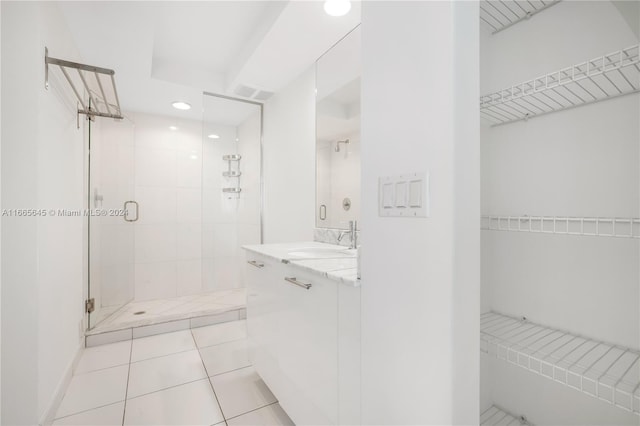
{"x": 346, "y": 141}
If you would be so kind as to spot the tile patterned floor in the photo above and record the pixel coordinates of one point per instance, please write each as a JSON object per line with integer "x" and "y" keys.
{"x": 162, "y": 310}
{"x": 192, "y": 377}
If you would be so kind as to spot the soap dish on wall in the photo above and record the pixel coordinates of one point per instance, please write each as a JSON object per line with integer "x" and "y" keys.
{"x": 232, "y": 190}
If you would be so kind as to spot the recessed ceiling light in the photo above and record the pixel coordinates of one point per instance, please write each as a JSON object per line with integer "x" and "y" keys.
{"x": 173, "y": 128}
{"x": 212, "y": 136}
{"x": 337, "y": 7}
{"x": 181, "y": 105}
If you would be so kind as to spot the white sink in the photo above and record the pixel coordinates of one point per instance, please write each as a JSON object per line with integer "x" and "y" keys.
{"x": 322, "y": 252}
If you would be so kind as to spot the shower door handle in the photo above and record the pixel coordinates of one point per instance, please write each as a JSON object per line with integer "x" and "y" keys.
{"x": 97, "y": 198}
{"x": 126, "y": 211}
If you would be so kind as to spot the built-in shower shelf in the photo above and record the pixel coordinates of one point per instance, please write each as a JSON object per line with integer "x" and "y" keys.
{"x": 605, "y": 77}
{"x": 585, "y": 226}
{"x": 502, "y": 14}
{"x": 494, "y": 416}
{"x": 608, "y": 372}
{"x": 232, "y": 190}
{"x": 230, "y": 173}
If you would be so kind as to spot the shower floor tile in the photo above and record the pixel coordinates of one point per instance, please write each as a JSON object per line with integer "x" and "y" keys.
{"x": 142, "y": 313}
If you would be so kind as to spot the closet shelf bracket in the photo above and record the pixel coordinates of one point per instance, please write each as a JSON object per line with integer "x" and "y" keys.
{"x": 102, "y": 96}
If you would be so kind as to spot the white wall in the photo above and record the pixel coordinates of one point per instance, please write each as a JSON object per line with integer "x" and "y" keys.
{"x": 42, "y": 167}
{"x": 581, "y": 162}
{"x": 466, "y": 286}
{"x": 0, "y": 224}
{"x": 289, "y": 162}
{"x": 19, "y": 268}
{"x": 230, "y": 220}
{"x": 409, "y": 107}
{"x": 248, "y": 219}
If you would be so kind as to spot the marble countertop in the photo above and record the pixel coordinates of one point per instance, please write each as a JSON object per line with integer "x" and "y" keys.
{"x": 334, "y": 262}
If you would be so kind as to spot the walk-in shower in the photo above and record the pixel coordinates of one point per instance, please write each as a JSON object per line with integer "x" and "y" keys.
{"x": 190, "y": 194}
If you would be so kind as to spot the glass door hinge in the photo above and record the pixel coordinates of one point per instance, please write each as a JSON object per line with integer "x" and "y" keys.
{"x": 90, "y": 305}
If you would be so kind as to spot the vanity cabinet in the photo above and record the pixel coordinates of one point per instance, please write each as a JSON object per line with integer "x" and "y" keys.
{"x": 262, "y": 306}
{"x": 305, "y": 350}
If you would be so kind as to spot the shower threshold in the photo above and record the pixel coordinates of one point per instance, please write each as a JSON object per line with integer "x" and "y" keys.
{"x": 152, "y": 316}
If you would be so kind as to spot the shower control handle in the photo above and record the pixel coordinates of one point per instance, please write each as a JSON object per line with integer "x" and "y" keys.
{"x": 126, "y": 211}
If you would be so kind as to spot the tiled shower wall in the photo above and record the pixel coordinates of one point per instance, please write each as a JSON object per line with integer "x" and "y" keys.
{"x": 168, "y": 188}
{"x": 187, "y": 238}
{"x": 230, "y": 220}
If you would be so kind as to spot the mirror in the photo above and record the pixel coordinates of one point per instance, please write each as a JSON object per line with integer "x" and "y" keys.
{"x": 338, "y": 74}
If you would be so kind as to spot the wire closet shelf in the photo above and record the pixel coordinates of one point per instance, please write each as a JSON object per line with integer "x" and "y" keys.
{"x": 502, "y": 14}
{"x": 102, "y": 95}
{"x": 584, "y": 226}
{"x": 608, "y": 372}
{"x": 606, "y": 77}
{"x": 494, "y": 416}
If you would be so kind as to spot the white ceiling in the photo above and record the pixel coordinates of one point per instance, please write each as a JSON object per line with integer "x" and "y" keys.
{"x": 167, "y": 51}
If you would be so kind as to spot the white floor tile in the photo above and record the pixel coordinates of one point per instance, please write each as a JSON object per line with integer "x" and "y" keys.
{"x": 225, "y": 357}
{"x": 159, "y": 373}
{"x": 220, "y": 333}
{"x": 270, "y": 415}
{"x": 235, "y": 299}
{"x": 186, "y": 309}
{"x": 103, "y": 416}
{"x": 168, "y": 305}
{"x": 241, "y": 391}
{"x": 131, "y": 317}
{"x": 214, "y": 295}
{"x": 151, "y": 306}
{"x": 104, "y": 356}
{"x": 162, "y": 344}
{"x": 103, "y": 313}
{"x": 189, "y": 404}
{"x": 93, "y": 390}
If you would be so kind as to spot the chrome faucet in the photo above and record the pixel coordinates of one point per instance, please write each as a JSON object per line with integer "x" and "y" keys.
{"x": 353, "y": 234}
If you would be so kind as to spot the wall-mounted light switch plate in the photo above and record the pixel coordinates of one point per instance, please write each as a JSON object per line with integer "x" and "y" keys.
{"x": 404, "y": 195}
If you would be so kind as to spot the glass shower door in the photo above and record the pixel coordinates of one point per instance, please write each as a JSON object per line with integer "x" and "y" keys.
{"x": 112, "y": 212}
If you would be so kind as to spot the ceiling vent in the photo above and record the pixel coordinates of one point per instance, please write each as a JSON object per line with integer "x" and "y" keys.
{"x": 262, "y": 95}
{"x": 252, "y": 93}
{"x": 244, "y": 91}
